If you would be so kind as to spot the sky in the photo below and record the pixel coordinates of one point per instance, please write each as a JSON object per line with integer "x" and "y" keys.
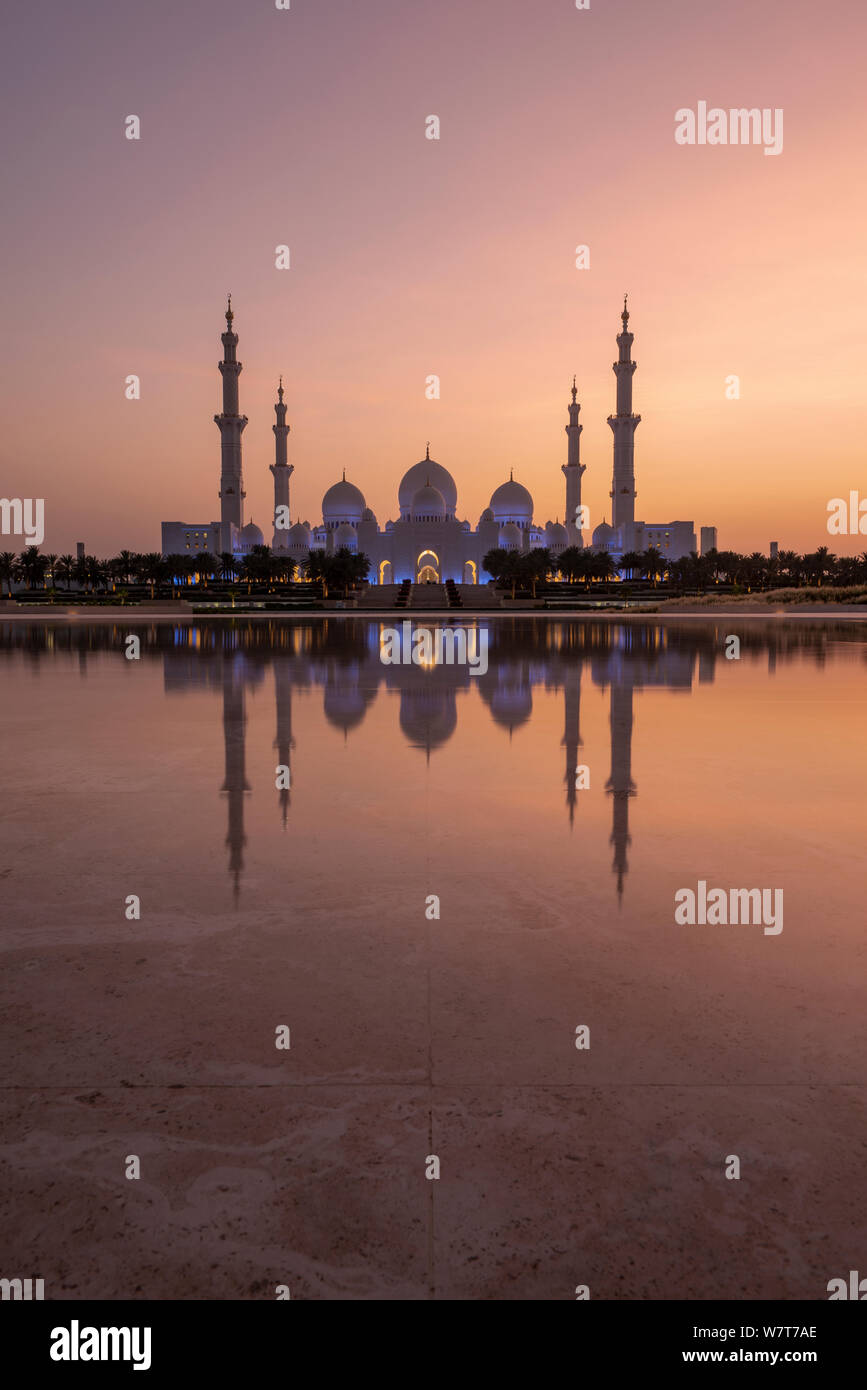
{"x": 412, "y": 257}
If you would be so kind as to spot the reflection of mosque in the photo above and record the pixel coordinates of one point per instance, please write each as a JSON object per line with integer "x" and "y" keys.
{"x": 346, "y": 664}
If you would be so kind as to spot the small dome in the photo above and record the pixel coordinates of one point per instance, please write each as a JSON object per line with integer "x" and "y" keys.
{"x": 512, "y": 502}
{"x": 427, "y": 473}
{"x": 603, "y": 534}
{"x": 345, "y": 535}
{"x": 428, "y": 504}
{"x": 251, "y": 535}
{"x": 367, "y": 515}
{"x": 558, "y": 537}
{"x": 487, "y": 515}
{"x": 510, "y": 536}
{"x": 299, "y": 536}
{"x": 343, "y": 502}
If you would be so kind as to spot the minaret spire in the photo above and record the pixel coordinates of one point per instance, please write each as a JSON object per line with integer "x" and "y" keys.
{"x": 573, "y": 470}
{"x": 231, "y": 426}
{"x": 281, "y": 472}
{"x": 623, "y": 426}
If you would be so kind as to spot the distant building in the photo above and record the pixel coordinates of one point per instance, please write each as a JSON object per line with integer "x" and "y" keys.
{"x": 79, "y": 550}
{"x": 775, "y": 550}
{"x": 708, "y": 539}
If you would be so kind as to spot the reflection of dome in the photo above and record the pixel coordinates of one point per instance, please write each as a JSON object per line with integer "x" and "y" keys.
{"x": 342, "y": 502}
{"x": 251, "y": 535}
{"x": 345, "y": 535}
{"x": 512, "y": 502}
{"x": 558, "y": 537}
{"x": 431, "y": 473}
{"x": 428, "y": 717}
{"x": 428, "y": 504}
{"x": 510, "y": 536}
{"x": 346, "y": 706}
{"x": 512, "y": 705}
{"x": 603, "y": 534}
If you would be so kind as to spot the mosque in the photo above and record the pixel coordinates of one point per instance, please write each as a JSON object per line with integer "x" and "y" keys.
{"x": 427, "y": 541}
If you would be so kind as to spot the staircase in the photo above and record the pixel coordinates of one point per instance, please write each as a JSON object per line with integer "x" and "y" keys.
{"x": 430, "y": 596}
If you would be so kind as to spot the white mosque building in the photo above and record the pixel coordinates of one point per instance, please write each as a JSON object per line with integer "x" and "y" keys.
{"x": 427, "y": 540}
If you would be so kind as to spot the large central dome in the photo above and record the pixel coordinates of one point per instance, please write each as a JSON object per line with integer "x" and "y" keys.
{"x": 427, "y": 473}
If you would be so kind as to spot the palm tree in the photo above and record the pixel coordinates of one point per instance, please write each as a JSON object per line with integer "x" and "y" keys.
{"x": 227, "y": 565}
{"x": 30, "y": 567}
{"x": 65, "y": 569}
{"x": 7, "y": 570}
{"x": 492, "y": 562}
{"x": 601, "y": 565}
{"x": 629, "y": 563}
{"x": 315, "y": 566}
{"x": 154, "y": 569}
{"x": 536, "y": 565}
{"x": 205, "y": 566}
{"x": 124, "y": 565}
{"x": 652, "y": 564}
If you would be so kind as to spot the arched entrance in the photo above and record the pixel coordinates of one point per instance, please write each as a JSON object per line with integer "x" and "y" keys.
{"x": 385, "y": 572}
{"x": 427, "y": 568}
{"x": 470, "y": 574}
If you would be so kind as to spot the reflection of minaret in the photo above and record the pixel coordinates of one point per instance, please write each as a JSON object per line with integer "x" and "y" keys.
{"x": 623, "y": 427}
{"x": 284, "y": 742}
{"x": 573, "y": 468}
{"x": 235, "y": 784}
{"x": 282, "y": 472}
{"x": 572, "y": 740}
{"x": 620, "y": 784}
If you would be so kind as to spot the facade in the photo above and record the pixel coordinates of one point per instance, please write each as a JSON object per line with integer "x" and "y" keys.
{"x": 708, "y": 539}
{"x": 427, "y": 540}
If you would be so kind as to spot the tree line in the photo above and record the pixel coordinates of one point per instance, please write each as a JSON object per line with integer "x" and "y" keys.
{"x": 525, "y": 569}
{"x": 340, "y": 570}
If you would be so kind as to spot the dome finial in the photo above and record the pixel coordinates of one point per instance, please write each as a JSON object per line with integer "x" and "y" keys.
{"x": 574, "y": 389}
{"x": 625, "y": 314}
{"x": 427, "y": 451}
{"x": 344, "y": 475}
{"x": 280, "y": 388}
{"x": 229, "y": 314}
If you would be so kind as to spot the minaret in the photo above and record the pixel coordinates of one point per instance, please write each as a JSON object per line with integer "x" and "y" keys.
{"x": 231, "y": 426}
{"x": 623, "y": 425}
{"x": 573, "y": 468}
{"x": 282, "y": 472}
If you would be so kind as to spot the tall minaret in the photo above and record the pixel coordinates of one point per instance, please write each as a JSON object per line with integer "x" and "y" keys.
{"x": 231, "y": 426}
{"x": 573, "y": 468}
{"x": 623, "y": 425}
{"x": 282, "y": 472}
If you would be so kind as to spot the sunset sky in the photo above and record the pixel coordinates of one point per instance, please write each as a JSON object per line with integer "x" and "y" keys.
{"x": 412, "y": 257}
